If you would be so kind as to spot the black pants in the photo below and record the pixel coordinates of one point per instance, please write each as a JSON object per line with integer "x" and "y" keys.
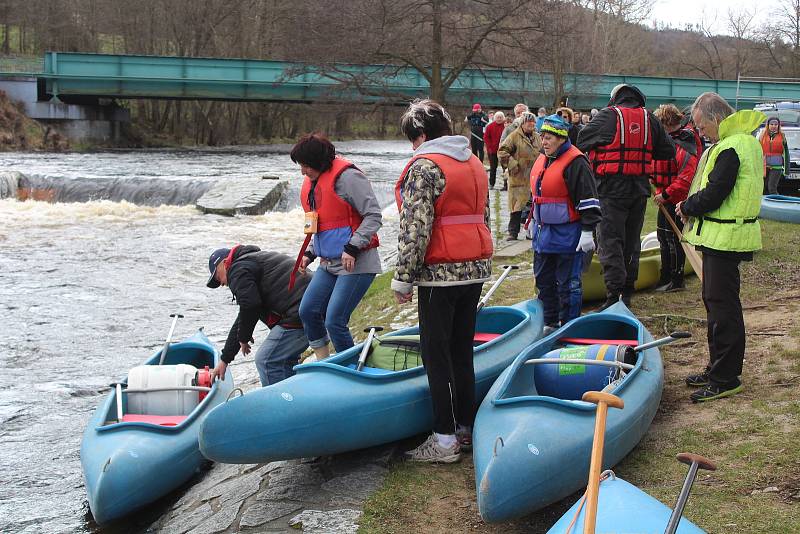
{"x": 447, "y": 327}
{"x": 619, "y": 242}
{"x": 514, "y": 223}
{"x": 673, "y": 257}
{"x": 773, "y": 178}
{"x": 726, "y": 335}
{"x": 477, "y": 146}
{"x": 492, "y": 168}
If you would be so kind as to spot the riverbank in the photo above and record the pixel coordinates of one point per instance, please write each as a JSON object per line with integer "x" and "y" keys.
{"x": 752, "y": 437}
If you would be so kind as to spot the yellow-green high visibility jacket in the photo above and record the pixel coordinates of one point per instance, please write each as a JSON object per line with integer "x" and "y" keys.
{"x": 734, "y": 225}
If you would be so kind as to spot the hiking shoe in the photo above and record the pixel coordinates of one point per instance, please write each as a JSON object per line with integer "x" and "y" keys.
{"x": 699, "y": 380}
{"x": 610, "y": 301}
{"x": 662, "y": 287}
{"x": 431, "y": 452}
{"x": 549, "y": 329}
{"x": 464, "y": 437}
{"x": 716, "y": 391}
{"x": 511, "y": 237}
{"x": 675, "y": 286}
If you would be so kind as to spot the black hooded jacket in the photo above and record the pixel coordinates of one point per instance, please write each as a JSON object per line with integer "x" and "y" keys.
{"x": 259, "y": 281}
{"x": 601, "y": 132}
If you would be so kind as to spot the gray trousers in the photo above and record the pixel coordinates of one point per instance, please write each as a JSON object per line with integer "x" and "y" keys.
{"x": 619, "y": 242}
{"x": 773, "y": 177}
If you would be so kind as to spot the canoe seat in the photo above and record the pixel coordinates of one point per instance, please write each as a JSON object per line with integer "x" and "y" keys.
{"x": 160, "y": 420}
{"x": 589, "y": 341}
{"x": 484, "y": 337}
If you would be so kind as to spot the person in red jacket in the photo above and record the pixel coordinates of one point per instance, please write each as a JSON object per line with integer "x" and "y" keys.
{"x": 672, "y": 179}
{"x": 491, "y": 137}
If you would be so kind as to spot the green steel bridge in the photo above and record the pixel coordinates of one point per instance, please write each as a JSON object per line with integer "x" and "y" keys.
{"x": 77, "y": 76}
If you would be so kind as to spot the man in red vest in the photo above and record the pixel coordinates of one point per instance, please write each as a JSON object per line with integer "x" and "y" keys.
{"x": 621, "y": 141}
{"x": 445, "y": 248}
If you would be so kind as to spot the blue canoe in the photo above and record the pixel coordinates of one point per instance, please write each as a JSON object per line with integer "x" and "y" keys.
{"x": 127, "y": 465}
{"x": 531, "y": 448}
{"x": 329, "y": 408}
{"x": 622, "y": 508}
{"x": 780, "y": 208}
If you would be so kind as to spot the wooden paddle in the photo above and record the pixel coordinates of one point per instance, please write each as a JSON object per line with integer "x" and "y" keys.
{"x": 695, "y": 462}
{"x": 691, "y": 253}
{"x": 603, "y": 401}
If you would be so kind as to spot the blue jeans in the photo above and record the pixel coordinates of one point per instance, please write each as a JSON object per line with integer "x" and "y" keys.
{"x": 558, "y": 279}
{"x": 327, "y": 304}
{"x": 279, "y": 353}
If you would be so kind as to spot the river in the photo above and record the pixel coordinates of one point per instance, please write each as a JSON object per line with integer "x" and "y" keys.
{"x": 86, "y": 289}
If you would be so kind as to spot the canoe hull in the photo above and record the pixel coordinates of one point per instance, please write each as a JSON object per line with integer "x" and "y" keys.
{"x": 622, "y": 508}
{"x": 780, "y": 208}
{"x": 530, "y": 451}
{"x": 129, "y": 465}
{"x": 328, "y": 408}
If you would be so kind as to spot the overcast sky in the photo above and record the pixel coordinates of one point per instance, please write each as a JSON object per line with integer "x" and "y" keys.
{"x": 678, "y": 12}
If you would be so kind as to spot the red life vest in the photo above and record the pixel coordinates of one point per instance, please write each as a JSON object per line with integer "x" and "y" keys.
{"x": 773, "y": 149}
{"x": 459, "y": 229}
{"x": 334, "y": 213}
{"x": 551, "y": 201}
{"x": 631, "y": 151}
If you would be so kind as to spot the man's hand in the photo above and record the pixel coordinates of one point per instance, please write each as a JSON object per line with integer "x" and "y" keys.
{"x": 659, "y": 199}
{"x": 679, "y": 212}
{"x": 219, "y": 371}
{"x": 348, "y": 262}
{"x": 402, "y": 298}
{"x": 304, "y": 263}
{"x": 245, "y": 347}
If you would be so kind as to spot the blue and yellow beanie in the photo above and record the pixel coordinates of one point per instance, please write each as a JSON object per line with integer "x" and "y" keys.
{"x": 555, "y": 125}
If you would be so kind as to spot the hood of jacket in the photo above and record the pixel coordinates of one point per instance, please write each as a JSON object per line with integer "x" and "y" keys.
{"x": 455, "y": 146}
{"x": 628, "y": 96}
{"x": 745, "y": 121}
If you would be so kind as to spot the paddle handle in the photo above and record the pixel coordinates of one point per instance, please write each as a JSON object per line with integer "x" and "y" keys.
{"x": 362, "y": 358}
{"x": 175, "y": 317}
{"x": 506, "y": 270}
{"x": 674, "y": 336}
{"x": 691, "y": 253}
{"x": 119, "y": 403}
{"x": 603, "y": 401}
{"x": 695, "y": 462}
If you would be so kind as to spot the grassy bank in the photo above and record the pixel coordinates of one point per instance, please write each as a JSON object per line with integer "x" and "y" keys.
{"x": 753, "y": 437}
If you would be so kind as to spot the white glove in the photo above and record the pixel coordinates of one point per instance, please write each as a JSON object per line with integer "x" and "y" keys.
{"x": 586, "y": 243}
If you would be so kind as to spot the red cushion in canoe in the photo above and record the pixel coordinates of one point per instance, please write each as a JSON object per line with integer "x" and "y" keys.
{"x": 483, "y": 337}
{"x": 161, "y": 420}
{"x": 587, "y": 341}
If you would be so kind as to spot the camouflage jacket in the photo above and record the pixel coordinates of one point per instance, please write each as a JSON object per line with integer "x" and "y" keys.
{"x": 423, "y": 184}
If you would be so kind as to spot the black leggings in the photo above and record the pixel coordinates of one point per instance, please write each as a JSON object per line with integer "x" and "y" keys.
{"x": 447, "y": 328}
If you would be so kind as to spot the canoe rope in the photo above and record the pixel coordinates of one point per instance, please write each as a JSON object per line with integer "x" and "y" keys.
{"x": 608, "y": 473}
{"x": 502, "y": 443}
{"x": 234, "y": 390}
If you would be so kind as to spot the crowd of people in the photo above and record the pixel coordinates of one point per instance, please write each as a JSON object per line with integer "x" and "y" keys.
{"x": 584, "y": 179}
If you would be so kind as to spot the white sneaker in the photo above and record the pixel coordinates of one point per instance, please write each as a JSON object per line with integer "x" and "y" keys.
{"x": 431, "y": 452}
{"x": 547, "y": 330}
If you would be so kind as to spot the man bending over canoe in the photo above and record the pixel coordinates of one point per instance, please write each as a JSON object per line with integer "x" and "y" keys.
{"x": 259, "y": 281}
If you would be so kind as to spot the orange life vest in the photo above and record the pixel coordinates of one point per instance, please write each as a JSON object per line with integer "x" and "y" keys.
{"x": 631, "y": 151}
{"x": 551, "y": 201}
{"x": 459, "y": 229}
{"x": 773, "y": 149}
{"x": 337, "y": 220}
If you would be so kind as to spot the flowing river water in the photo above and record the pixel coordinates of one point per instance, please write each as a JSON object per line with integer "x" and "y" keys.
{"x": 86, "y": 289}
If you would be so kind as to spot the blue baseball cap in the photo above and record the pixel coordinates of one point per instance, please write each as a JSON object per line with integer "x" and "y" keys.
{"x": 216, "y": 257}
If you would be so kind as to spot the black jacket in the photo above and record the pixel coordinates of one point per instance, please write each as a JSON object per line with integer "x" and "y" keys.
{"x": 601, "y": 131}
{"x": 259, "y": 281}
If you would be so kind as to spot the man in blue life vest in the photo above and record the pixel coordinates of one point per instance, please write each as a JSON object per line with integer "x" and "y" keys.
{"x": 621, "y": 141}
{"x": 565, "y": 212}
